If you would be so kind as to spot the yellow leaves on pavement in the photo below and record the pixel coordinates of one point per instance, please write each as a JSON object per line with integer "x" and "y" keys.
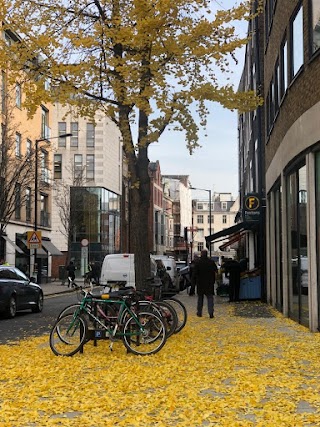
{"x": 230, "y": 372}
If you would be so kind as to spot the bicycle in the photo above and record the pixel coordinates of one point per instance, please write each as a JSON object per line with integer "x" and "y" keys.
{"x": 142, "y": 333}
{"x": 160, "y": 308}
{"x": 156, "y": 295}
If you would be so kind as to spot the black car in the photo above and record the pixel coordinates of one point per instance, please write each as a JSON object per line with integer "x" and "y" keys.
{"x": 17, "y": 292}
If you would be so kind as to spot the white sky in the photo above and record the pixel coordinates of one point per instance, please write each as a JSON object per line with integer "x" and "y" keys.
{"x": 215, "y": 165}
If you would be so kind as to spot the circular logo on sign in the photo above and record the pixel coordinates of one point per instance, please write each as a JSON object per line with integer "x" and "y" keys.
{"x": 84, "y": 242}
{"x": 252, "y": 203}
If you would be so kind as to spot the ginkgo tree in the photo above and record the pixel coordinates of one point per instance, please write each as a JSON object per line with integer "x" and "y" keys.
{"x": 148, "y": 64}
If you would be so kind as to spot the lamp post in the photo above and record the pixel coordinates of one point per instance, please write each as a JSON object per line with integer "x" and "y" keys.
{"x": 36, "y": 155}
{"x": 210, "y": 219}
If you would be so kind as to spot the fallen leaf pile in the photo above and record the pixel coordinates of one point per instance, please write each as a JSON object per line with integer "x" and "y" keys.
{"x": 228, "y": 371}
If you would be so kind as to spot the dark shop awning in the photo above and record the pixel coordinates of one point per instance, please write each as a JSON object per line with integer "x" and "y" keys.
{"x": 230, "y": 231}
{"x": 233, "y": 239}
{"x": 50, "y": 247}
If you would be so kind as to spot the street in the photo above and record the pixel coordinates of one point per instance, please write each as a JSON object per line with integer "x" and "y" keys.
{"x": 27, "y": 324}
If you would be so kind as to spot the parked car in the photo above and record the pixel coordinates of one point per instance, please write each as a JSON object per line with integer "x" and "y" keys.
{"x": 118, "y": 270}
{"x": 18, "y": 292}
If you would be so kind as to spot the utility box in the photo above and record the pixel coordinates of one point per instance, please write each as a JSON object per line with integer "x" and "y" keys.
{"x": 250, "y": 286}
{"x": 62, "y": 272}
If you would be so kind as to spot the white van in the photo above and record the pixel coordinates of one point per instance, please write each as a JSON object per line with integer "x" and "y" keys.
{"x": 118, "y": 270}
{"x": 171, "y": 267}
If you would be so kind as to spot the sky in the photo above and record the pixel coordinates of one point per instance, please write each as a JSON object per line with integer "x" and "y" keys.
{"x": 214, "y": 166}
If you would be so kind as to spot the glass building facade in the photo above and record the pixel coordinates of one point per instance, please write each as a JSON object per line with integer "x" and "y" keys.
{"x": 94, "y": 225}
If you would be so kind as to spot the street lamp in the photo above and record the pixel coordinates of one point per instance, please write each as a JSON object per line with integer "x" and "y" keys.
{"x": 39, "y": 261}
{"x": 210, "y": 219}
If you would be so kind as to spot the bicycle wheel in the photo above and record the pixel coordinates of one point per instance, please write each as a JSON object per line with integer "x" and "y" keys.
{"x": 70, "y": 309}
{"x": 68, "y": 335}
{"x": 163, "y": 310}
{"x": 169, "y": 316}
{"x": 144, "y": 334}
{"x": 181, "y": 312}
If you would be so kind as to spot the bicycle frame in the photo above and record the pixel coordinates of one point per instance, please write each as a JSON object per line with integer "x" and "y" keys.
{"x": 142, "y": 332}
{"x": 123, "y": 308}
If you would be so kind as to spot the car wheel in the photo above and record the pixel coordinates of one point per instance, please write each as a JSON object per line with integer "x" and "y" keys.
{"x": 39, "y": 306}
{"x": 12, "y": 307}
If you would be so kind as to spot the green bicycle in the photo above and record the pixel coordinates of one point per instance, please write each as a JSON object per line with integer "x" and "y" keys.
{"x": 142, "y": 332}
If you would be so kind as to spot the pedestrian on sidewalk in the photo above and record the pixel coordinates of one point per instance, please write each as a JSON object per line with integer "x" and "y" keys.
{"x": 191, "y": 273}
{"x": 233, "y": 269}
{"x": 204, "y": 277}
{"x": 71, "y": 268}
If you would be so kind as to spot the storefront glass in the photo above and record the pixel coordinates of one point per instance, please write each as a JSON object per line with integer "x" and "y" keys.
{"x": 317, "y": 186}
{"x": 278, "y": 247}
{"x": 297, "y": 246}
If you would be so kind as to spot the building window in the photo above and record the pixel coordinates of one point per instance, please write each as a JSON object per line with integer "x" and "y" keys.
{"x": 45, "y": 130}
{"x": 200, "y": 246}
{"x": 199, "y": 219}
{"x": 200, "y": 232}
{"x": 28, "y": 148}
{"x": 90, "y": 166}
{"x": 18, "y": 145}
{"x": 17, "y": 201}
{"x": 276, "y": 88}
{"x": 210, "y": 219}
{"x": 315, "y": 38}
{"x": 283, "y": 69}
{"x": 224, "y": 206}
{"x": 57, "y": 166}
{"x": 18, "y": 95}
{"x": 74, "y": 127}
{"x": 44, "y": 162}
{"x": 78, "y": 166}
{"x": 200, "y": 206}
{"x": 297, "y": 42}
{"x": 44, "y": 214}
{"x": 28, "y": 204}
{"x": 90, "y": 135}
{"x": 62, "y": 129}
{"x": 224, "y": 219}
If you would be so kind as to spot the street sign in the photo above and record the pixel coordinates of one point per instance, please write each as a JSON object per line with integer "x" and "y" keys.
{"x": 252, "y": 207}
{"x": 84, "y": 242}
{"x": 34, "y": 239}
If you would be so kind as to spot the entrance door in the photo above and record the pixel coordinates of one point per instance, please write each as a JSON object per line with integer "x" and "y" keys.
{"x": 297, "y": 197}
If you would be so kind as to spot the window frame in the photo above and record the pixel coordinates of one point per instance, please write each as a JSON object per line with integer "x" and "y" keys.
{"x": 90, "y": 135}
{"x": 57, "y": 166}
{"x": 295, "y": 72}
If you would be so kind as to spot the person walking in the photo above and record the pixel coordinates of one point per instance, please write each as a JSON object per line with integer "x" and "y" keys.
{"x": 192, "y": 290}
{"x": 71, "y": 273}
{"x": 204, "y": 277}
{"x": 233, "y": 269}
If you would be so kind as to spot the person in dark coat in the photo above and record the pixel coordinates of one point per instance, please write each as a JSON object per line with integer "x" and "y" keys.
{"x": 191, "y": 272}
{"x": 71, "y": 268}
{"x": 233, "y": 269}
{"x": 204, "y": 277}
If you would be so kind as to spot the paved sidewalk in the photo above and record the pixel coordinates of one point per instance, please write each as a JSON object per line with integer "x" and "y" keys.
{"x": 57, "y": 287}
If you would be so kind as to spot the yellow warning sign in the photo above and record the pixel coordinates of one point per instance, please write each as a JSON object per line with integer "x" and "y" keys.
{"x": 34, "y": 239}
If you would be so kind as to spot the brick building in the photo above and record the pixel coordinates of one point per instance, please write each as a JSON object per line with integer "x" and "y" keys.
{"x": 292, "y": 157}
